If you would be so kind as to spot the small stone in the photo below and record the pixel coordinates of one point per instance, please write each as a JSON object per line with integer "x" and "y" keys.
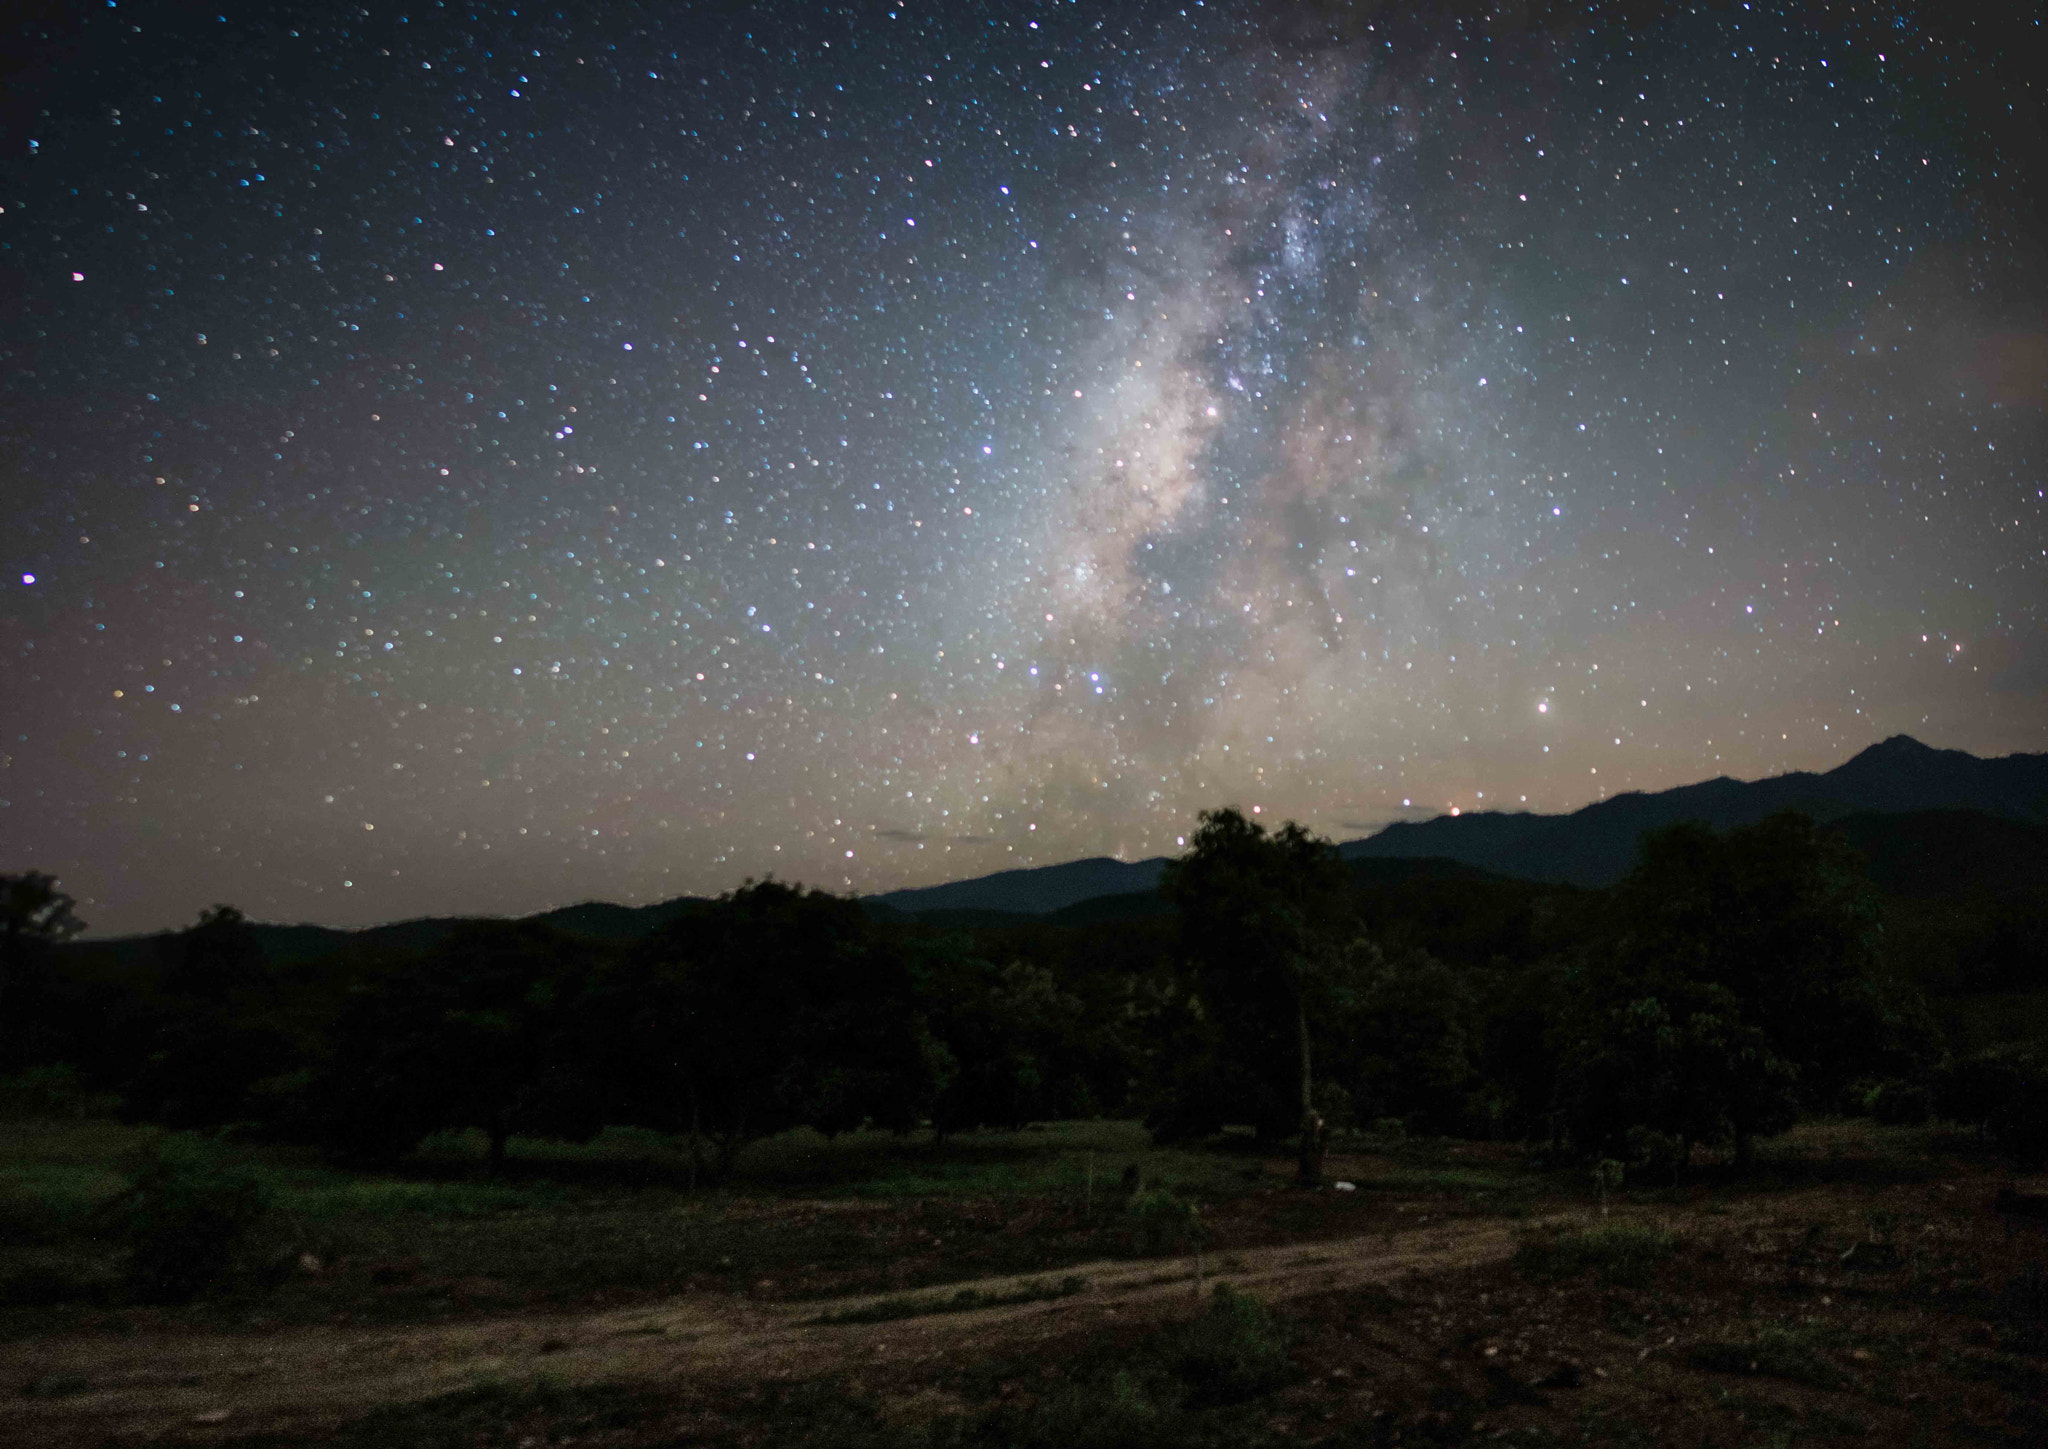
{"x": 212, "y": 1416}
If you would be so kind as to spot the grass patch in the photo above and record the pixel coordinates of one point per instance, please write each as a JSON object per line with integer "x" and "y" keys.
{"x": 1236, "y": 1350}
{"x": 1618, "y": 1254}
{"x": 1779, "y": 1351}
{"x": 966, "y": 1300}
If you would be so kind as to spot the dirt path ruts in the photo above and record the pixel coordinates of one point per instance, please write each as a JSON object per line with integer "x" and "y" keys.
{"x": 303, "y": 1378}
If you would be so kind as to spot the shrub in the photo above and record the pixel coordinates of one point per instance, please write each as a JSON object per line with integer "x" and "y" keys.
{"x": 1123, "y": 1412}
{"x": 1777, "y": 1352}
{"x": 1620, "y": 1254}
{"x": 1235, "y": 1351}
{"x": 1164, "y": 1222}
{"x": 1900, "y": 1104}
{"x": 184, "y": 1217}
{"x": 1653, "y": 1156}
{"x": 46, "y": 1093}
{"x": 2005, "y": 1091}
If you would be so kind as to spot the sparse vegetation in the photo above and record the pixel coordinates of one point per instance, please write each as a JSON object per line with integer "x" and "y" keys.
{"x": 1792, "y": 1353}
{"x": 1621, "y": 1254}
{"x": 186, "y": 1215}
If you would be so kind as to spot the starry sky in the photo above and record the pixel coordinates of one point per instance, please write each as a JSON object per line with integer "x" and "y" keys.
{"x": 474, "y": 459}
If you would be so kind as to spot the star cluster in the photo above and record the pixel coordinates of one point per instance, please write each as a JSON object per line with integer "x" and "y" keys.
{"x": 477, "y": 458}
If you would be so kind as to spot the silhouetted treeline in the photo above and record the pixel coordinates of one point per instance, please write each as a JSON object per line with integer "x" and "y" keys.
{"x": 1731, "y": 983}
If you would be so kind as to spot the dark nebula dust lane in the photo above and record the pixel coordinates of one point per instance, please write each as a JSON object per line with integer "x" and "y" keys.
{"x": 471, "y": 458}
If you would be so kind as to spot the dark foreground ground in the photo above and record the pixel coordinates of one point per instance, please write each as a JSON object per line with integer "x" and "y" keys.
{"x": 1856, "y": 1289}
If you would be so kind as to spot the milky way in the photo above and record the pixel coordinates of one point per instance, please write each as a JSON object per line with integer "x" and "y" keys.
{"x": 477, "y": 459}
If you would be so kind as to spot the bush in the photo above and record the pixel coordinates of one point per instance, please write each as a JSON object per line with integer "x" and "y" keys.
{"x": 49, "y": 1093}
{"x": 183, "y": 1219}
{"x": 1625, "y": 1255}
{"x": 1164, "y": 1222}
{"x": 1653, "y": 1156}
{"x": 2005, "y": 1092}
{"x": 1122, "y": 1413}
{"x": 1899, "y": 1104}
{"x": 1235, "y": 1351}
{"x": 1776, "y": 1352}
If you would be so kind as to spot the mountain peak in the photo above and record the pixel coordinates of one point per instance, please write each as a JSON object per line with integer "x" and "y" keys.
{"x": 1901, "y": 754}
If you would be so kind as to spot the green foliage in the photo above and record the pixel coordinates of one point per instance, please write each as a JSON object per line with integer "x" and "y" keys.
{"x": 34, "y": 916}
{"x": 490, "y": 1030}
{"x": 1619, "y": 1254}
{"x": 1163, "y": 1391}
{"x": 773, "y": 1007}
{"x": 1776, "y": 1351}
{"x": 1264, "y": 919}
{"x": 1235, "y": 1351}
{"x": 1683, "y": 1066}
{"x": 1163, "y": 1222}
{"x": 1737, "y": 981}
{"x": 1780, "y": 916}
{"x": 188, "y": 1211}
{"x": 1008, "y": 1045}
{"x": 1608, "y": 1175}
{"x": 1895, "y": 1103}
{"x": 2004, "y": 1091}
{"x": 53, "y": 1092}
{"x": 214, "y": 959}
{"x": 205, "y": 1070}
{"x": 1126, "y": 1410}
{"x": 1406, "y": 1048}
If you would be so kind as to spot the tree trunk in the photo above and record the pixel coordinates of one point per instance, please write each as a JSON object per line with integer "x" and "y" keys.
{"x": 1309, "y": 1172}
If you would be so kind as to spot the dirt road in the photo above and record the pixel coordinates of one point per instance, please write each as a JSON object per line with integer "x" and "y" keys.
{"x": 301, "y": 1380}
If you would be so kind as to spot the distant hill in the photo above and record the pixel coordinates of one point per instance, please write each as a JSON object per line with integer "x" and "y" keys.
{"x": 1031, "y": 892}
{"x": 1931, "y": 823}
{"x": 2006, "y": 798}
{"x": 285, "y": 946}
{"x": 1595, "y": 846}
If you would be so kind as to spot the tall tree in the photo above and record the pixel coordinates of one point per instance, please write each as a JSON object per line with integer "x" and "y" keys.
{"x": 770, "y": 1008}
{"x": 1264, "y": 922}
{"x": 1746, "y": 963}
{"x": 34, "y": 916}
{"x": 487, "y": 1030}
{"x": 213, "y": 959}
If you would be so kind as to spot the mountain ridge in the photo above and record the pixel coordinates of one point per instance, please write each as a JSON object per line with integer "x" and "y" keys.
{"x": 1591, "y": 846}
{"x": 1930, "y": 820}
{"x": 1595, "y": 845}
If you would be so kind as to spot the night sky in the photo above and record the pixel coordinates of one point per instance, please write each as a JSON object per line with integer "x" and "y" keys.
{"x": 476, "y": 459}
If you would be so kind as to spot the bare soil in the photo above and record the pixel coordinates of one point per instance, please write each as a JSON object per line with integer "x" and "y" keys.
{"x": 1871, "y": 1311}
{"x": 303, "y": 1379}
